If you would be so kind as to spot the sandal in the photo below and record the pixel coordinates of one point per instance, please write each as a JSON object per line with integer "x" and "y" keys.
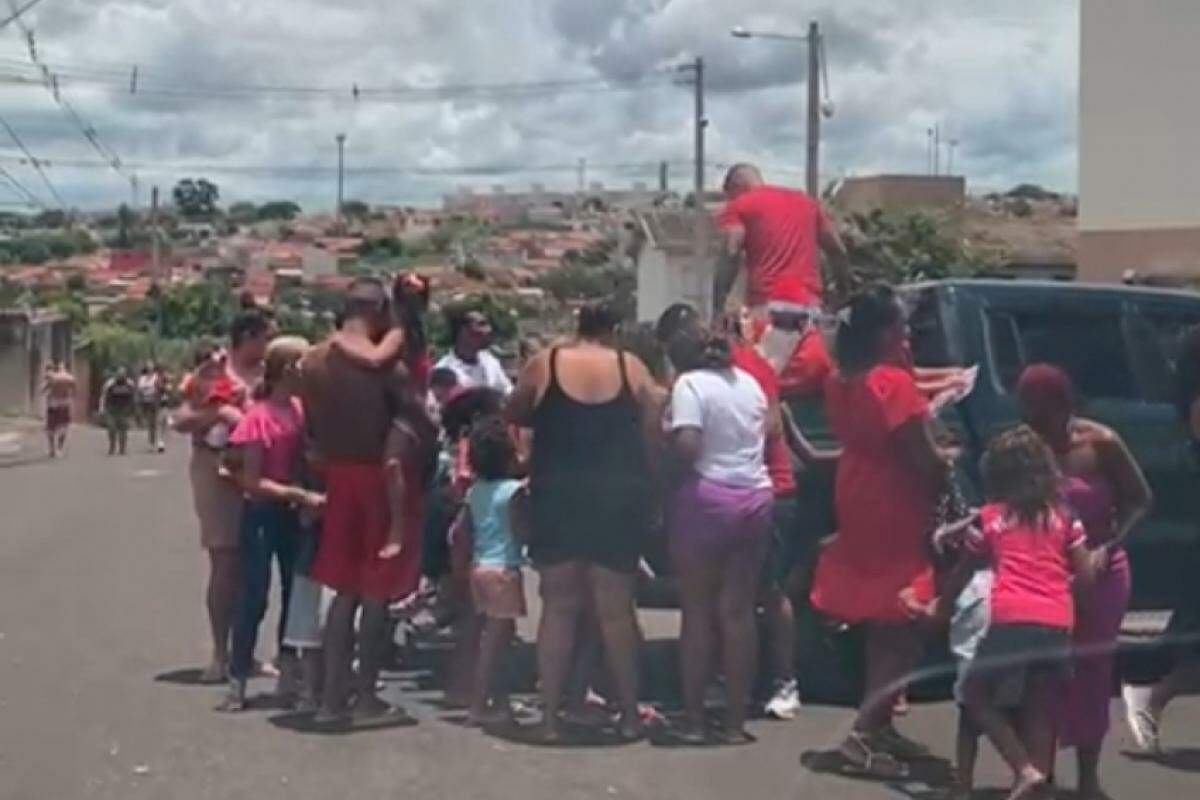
{"x": 892, "y": 742}
{"x": 736, "y": 738}
{"x": 859, "y": 759}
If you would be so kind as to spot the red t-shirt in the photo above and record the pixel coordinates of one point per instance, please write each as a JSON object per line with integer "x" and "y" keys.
{"x": 782, "y": 229}
{"x": 779, "y": 460}
{"x": 1033, "y": 568}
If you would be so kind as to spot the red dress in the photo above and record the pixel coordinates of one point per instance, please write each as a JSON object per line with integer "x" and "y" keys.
{"x": 884, "y": 508}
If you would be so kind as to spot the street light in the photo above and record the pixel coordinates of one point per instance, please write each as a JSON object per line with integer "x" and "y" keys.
{"x": 816, "y": 109}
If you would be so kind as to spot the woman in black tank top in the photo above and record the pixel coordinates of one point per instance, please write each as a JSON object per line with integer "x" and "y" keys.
{"x": 590, "y": 492}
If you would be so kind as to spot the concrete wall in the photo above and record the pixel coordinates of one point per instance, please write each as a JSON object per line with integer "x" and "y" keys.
{"x": 1139, "y": 125}
{"x": 900, "y": 192}
{"x": 665, "y": 278}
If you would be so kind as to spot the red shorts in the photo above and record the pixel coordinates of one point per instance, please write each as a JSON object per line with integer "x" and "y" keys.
{"x": 355, "y": 529}
{"x": 58, "y": 417}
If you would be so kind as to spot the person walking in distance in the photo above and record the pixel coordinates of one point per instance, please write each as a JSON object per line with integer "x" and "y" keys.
{"x": 150, "y": 400}
{"x": 214, "y": 398}
{"x": 59, "y": 390}
{"x": 777, "y": 235}
{"x": 349, "y": 412}
{"x": 117, "y": 400}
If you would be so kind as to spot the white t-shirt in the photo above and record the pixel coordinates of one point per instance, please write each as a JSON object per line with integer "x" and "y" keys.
{"x": 485, "y": 373}
{"x": 730, "y": 409}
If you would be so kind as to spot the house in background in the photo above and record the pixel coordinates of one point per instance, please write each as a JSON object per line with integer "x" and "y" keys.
{"x": 1139, "y": 207}
{"x": 900, "y": 193}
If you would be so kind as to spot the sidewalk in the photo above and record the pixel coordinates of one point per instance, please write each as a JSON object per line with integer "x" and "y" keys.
{"x": 21, "y": 440}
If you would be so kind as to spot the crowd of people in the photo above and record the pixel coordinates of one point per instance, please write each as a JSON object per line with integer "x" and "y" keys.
{"x": 371, "y": 475}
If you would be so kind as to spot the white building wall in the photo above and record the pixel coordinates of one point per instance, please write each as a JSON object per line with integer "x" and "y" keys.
{"x": 1139, "y": 133}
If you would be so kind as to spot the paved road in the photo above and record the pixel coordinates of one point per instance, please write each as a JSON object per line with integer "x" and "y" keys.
{"x": 100, "y": 607}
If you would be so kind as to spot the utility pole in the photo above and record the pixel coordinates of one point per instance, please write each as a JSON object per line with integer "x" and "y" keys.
{"x": 953, "y": 143}
{"x": 700, "y": 124}
{"x": 155, "y": 245}
{"x": 813, "y": 150}
{"x": 582, "y": 171}
{"x": 341, "y": 143}
{"x": 937, "y": 148}
{"x": 662, "y": 177}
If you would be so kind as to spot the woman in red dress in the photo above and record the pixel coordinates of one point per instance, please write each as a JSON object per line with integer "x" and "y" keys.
{"x": 888, "y": 480}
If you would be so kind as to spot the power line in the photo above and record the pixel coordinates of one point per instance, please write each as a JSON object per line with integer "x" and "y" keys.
{"x": 19, "y": 188}
{"x": 17, "y": 12}
{"x": 305, "y": 170}
{"x": 146, "y": 84}
{"x": 52, "y": 85}
{"x": 34, "y": 163}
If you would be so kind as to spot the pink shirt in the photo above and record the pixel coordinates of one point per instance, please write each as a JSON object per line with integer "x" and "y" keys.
{"x": 1033, "y": 567}
{"x": 279, "y": 431}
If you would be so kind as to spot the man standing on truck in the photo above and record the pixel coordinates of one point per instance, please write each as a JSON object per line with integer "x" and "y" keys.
{"x": 779, "y": 234}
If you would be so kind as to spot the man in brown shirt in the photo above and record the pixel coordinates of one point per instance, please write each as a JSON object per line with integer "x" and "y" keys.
{"x": 349, "y": 411}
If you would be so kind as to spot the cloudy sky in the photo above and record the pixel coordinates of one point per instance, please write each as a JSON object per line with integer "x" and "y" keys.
{"x": 251, "y": 93}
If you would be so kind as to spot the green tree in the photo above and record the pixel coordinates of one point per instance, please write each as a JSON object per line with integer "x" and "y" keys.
{"x": 51, "y": 218}
{"x": 243, "y": 212}
{"x": 196, "y": 198}
{"x": 909, "y": 247}
{"x": 278, "y": 209}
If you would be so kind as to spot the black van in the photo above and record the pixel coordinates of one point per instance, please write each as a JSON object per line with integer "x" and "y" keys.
{"x": 1117, "y": 343}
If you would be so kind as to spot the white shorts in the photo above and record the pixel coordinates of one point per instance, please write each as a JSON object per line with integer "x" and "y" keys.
{"x": 307, "y": 610}
{"x": 778, "y": 342}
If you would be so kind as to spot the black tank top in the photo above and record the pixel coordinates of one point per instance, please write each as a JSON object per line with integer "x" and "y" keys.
{"x": 589, "y": 475}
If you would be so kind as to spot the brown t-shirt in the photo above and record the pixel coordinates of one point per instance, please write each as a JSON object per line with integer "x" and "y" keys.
{"x": 348, "y": 408}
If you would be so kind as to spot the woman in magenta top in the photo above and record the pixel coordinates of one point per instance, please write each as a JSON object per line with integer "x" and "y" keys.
{"x": 1105, "y": 488}
{"x": 888, "y": 479}
{"x": 269, "y": 442}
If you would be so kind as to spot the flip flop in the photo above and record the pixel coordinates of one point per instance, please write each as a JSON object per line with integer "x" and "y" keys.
{"x": 678, "y": 737}
{"x": 391, "y": 717}
{"x": 736, "y": 738}
{"x": 868, "y": 762}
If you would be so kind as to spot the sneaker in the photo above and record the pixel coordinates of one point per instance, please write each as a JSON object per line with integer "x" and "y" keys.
{"x": 785, "y": 700}
{"x": 1141, "y": 720}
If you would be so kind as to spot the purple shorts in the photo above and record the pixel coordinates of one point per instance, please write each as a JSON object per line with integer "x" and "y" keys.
{"x": 712, "y": 521}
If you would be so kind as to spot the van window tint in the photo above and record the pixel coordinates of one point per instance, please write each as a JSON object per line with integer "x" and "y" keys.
{"x": 1155, "y": 339}
{"x": 926, "y": 333}
{"x": 1090, "y": 347}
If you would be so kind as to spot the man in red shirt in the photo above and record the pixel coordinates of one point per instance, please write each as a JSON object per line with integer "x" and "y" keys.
{"x": 779, "y": 234}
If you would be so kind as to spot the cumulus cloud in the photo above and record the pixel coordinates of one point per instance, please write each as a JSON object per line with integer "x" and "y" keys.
{"x": 1001, "y": 78}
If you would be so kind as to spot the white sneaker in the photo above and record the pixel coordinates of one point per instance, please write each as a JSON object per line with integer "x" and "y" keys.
{"x": 1142, "y": 722}
{"x": 785, "y": 702}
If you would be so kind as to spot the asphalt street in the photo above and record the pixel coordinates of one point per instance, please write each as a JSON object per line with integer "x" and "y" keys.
{"x": 102, "y": 629}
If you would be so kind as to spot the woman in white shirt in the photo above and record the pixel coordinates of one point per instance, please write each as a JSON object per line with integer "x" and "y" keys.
{"x": 719, "y": 522}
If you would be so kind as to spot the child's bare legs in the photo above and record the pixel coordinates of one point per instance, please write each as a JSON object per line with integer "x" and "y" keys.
{"x": 966, "y": 754}
{"x": 468, "y": 627}
{"x": 494, "y": 642}
{"x": 1001, "y": 733}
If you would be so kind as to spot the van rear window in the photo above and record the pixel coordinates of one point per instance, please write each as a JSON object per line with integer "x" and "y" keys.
{"x": 1090, "y": 347}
